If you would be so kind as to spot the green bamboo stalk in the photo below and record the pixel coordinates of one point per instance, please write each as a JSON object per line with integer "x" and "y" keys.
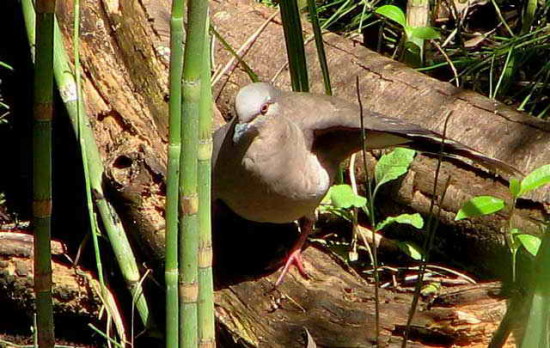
{"x": 173, "y": 176}
{"x": 188, "y": 238}
{"x": 206, "y": 320}
{"x": 294, "y": 40}
{"x": 67, "y": 87}
{"x": 42, "y": 170}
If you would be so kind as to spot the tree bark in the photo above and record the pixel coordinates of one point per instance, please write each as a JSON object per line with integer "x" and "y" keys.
{"x": 75, "y": 291}
{"x": 124, "y": 46}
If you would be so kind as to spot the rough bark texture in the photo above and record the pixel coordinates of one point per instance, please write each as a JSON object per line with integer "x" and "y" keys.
{"x": 337, "y": 309}
{"x": 125, "y": 66}
{"x": 75, "y": 290}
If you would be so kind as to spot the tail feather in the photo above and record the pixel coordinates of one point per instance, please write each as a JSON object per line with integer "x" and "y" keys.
{"x": 432, "y": 143}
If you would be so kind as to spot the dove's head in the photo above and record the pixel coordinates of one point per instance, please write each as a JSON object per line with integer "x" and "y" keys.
{"x": 252, "y": 103}
{"x": 256, "y": 99}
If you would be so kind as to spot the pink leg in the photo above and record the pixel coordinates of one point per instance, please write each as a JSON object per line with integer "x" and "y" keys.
{"x": 295, "y": 256}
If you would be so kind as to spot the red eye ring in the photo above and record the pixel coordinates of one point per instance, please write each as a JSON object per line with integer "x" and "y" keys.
{"x": 264, "y": 108}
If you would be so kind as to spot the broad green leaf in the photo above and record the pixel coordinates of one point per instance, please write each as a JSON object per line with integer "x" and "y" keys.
{"x": 394, "y": 13}
{"x": 481, "y": 205}
{"x": 515, "y": 187}
{"x": 410, "y": 249}
{"x": 342, "y": 196}
{"x": 408, "y": 219}
{"x": 393, "y": 165}
{"x": 536, "y": 179}
{"x": 424, "y": 33}
{"x": 529, "y": 242}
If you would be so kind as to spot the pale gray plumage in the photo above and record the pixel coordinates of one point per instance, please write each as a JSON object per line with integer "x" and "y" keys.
{"x": 275, "y": 161}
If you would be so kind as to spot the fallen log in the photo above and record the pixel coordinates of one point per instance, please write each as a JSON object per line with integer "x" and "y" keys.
{"x": 75, "y": 293}
{"x": 463, "y": 315}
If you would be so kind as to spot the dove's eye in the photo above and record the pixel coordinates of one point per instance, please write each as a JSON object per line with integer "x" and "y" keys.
{"x": 264, "y": 108}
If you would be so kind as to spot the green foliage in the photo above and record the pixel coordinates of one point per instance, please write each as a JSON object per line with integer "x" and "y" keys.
{"x": 340, "y": 199}
{"x": 529, "y": 242}
{"x": 394, "y": 13}
{"x": 515, "y": 187}
{"x": 537, "y": 178}
{"x": 343, "y": 197}
{"x": 410, "y": 249}
{"x": 424, "y": 33}
{"x": 391, "y": 166}
{"x": 481, "y": 205}
{"x": 414, "y": 220}
{"x": 501, "y": 54}
{"x": 414, "y": 36}
{"x": 484, "y": 205}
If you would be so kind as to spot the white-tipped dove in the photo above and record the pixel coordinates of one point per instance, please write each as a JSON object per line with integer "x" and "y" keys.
{"x": 275, "y": 161}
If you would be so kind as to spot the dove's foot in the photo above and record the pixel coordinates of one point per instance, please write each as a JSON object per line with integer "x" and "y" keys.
{"x": 295, "y": 258}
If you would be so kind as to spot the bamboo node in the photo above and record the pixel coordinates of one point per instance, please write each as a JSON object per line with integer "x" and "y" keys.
{"x": 190, "y": 204}
{"x": 205, "y": 257}
{"x": 42, "y": 208}
{"x": 205, "y": 150}
{"x": 189, "y": 292}
{"x": 43, "y": 112}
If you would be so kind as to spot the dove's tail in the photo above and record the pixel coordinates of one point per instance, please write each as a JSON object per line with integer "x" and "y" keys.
{"x": 426, "y": 141}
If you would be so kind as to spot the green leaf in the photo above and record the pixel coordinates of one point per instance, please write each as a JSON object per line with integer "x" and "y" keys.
{"x": 7, "y": 66}
{"x": 393, "y": 165}
{"x": 515, "y": 187}
{"x": 481, "y": 205}
{"x": 342, "y": 196}
{"x": 394, "y": 13}
{"x": 410, "y": 249}
{"x": 536, "y": 179}
{"x": 424, "y": 33}
{"x": 408, "y": 219}
{"x": 529, "y": 242}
